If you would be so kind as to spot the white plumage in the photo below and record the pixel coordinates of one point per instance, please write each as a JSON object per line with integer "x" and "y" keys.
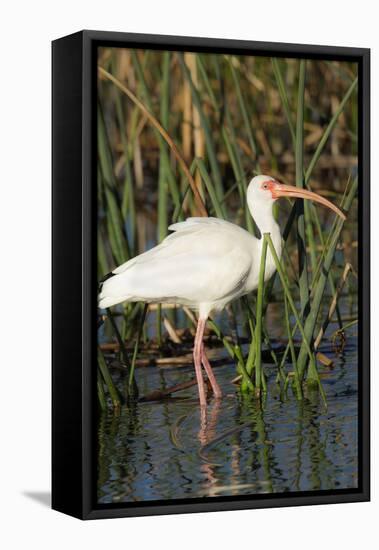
{"x": 205, "y": 264}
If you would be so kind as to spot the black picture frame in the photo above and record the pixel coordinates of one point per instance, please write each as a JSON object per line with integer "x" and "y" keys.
{"x": 75, "y": 288}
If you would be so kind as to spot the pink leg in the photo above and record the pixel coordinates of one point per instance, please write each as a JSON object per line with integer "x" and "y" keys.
{"x": 197, "y": 361}
{"x": 208, "y": 369}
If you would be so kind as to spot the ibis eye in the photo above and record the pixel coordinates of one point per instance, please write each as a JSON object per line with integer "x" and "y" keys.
{"x": 265, "y": 186}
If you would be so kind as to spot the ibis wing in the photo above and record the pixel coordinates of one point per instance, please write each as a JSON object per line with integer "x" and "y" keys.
{"x": 205, "y": 260}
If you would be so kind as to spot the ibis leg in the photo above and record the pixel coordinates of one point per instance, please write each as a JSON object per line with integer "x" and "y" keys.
{"x": 197, "y": 361}
{"x": 208, "y": 369}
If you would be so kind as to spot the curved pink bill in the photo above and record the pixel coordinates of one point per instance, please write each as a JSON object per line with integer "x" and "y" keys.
{"x": 280, "y": 190}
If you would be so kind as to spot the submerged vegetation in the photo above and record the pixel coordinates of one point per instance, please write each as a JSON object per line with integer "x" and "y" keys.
{"x": 182, "y": 134}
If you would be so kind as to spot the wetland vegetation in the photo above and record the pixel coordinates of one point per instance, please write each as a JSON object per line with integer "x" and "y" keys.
{"x": 180, "y": 135}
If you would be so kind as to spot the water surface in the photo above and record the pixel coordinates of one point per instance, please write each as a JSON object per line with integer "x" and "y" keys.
{"x": 165, "y": 450}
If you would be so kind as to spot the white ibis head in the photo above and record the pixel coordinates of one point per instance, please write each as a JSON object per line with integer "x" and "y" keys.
{"x": 265, "y": 190}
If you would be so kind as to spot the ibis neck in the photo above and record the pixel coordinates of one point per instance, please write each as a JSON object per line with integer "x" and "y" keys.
{"x": 265, "y": 221}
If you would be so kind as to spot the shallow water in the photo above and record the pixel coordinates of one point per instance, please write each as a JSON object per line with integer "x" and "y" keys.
{"x": 164, "y": 450}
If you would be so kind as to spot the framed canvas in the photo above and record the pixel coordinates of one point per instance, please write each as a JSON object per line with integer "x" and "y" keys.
{"x": 211, "y": 298}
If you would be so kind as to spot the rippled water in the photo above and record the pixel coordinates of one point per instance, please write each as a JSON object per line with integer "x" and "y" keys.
{"x": 164, "y": 450}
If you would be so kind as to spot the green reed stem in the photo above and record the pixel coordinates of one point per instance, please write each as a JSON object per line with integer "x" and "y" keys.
{"x": 250, "y": 362}
{"x": 163, "y": 172}
{"x": 115, "y": 398}
{"x": 234, "y": 352}
{"x": 299, "y": 392}
{"x": 162, "y": 181}
{"x": 285, "y": 285}
{"x": 127, "y": 202}
{"x": 231, "y": 143}
{"x": 121, "y": 343}
{"x": 259, "y": 375}
{"x": 132, "y": 385}
{"x": 102, "y": 261}
{"x": 244, "y": 109}
{"x": 228, "y": 346}
{"x": 100, "y": 391}
{"x": 115, "y": 221}
{"x": 283, "y": 96}
{"x": 311, "y": 319}
{"x": 301, "y": 222}
{"x": 217, "y": 206}
{"x": 241, "y": 369}
{"x": 159, "y": 324}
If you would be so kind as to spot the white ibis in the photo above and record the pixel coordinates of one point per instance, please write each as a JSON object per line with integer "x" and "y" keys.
{"x": 205, "y": 264}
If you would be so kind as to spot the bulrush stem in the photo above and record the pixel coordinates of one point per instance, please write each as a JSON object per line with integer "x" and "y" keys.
{"x": 236, "y": 354}
{"x": 246, "y": 380}
{"x": 300, "y": 217}
{"x": 310, "y": 322}
{"x": 259, "y": 375}
{"x": 100, "y": 391}
{"x": 250, "y": 361}
{"x": 283, "y": 96}
{"x": 228, "y": 346}
{"x": 299, "y": 392}
{"x": 121, "y": 343}
{"x": 285, "y": 285}
{"x": 132, "y": 383}
{"x": 108, "y": 380}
